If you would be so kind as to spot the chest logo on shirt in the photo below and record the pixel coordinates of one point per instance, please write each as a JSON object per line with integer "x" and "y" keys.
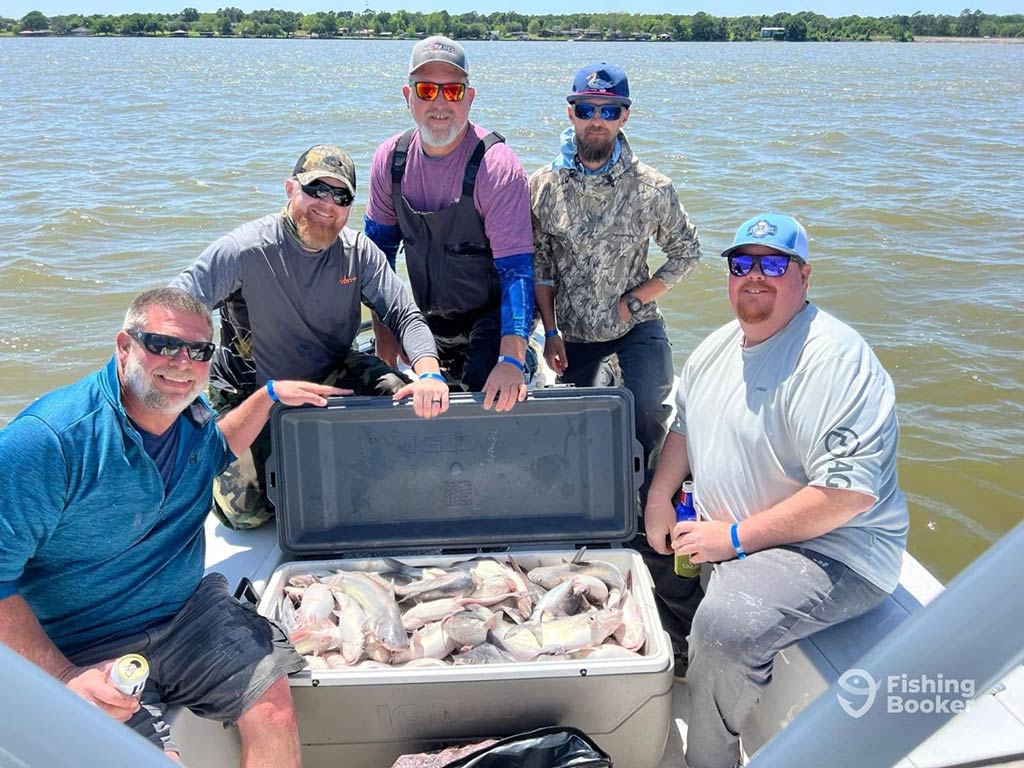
{"x": 348, "y": 280}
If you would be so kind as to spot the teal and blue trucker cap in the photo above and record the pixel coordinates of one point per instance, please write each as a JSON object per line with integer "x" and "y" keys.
{"x": 775, "y": 230}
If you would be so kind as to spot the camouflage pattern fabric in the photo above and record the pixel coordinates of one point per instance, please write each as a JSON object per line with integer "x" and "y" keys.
{"x": 591, "y": 237}
{"x": 240, "y": 492}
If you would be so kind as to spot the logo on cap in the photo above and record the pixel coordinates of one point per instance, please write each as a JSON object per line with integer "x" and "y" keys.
{"x": 439, "y": 47}
{"x": 762, "y": 229}
{"x": 595, "y": 81}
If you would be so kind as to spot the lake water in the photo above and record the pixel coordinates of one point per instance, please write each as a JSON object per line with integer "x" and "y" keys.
{"x": 120, "y": 159}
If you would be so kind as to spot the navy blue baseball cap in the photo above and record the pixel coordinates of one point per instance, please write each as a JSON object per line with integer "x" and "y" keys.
{"x": 775, "y": 230}
{"x": 605, "y": 80}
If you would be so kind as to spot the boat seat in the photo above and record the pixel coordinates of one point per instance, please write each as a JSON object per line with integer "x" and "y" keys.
{"x": 807, "y": 669}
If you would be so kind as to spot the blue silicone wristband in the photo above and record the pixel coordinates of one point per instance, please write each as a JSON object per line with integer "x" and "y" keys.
{"x": 734, "y": 532}
{"x": 512, "y": 361}
{"x": 550, "y": 333}
{"x": 271, "y": 392}
{"x": 432, "y": 375}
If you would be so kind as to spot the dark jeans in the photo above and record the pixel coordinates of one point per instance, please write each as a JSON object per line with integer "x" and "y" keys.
{"x": 677, "y": 599}
{"x": 468, "y": 346}
{"x": 645, "y": 357}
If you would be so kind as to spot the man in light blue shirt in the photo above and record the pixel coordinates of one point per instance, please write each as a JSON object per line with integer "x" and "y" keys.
{"x": 787, "y": 422}
{"x": 101, "y": 525}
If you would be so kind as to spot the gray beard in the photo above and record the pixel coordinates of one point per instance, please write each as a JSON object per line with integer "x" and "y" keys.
{"x": 138, "y": 383}
{"x": 430, "y": 140}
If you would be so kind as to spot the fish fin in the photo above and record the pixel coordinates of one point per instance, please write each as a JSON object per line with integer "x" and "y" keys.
{"x": 396, "y": 565}
{"x": 578, "y": 557}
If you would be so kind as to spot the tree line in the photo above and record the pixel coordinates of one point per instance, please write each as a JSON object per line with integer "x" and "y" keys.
{"x": 701, "y": 26}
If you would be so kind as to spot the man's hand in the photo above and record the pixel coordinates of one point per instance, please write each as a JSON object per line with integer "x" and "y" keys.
{"x": 554, "y": 354}
{"x": 93, "y": 684}
{"x": 705, "y": 541}
{"x": 624, "y": 314}
{"x": 429, "y": 397}
{"x": 306, "y": 392}
{"x": 659, "y": 517}
{"x": 504, "y": 388}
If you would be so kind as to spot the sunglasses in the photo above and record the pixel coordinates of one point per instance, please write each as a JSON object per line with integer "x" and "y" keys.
{"x": 321, "y": 190}
{"x": 170, "y": 346}
{"x": 608, "y": 112}
{"x": 428, "y": 91}
{"x": 775, "y": 265}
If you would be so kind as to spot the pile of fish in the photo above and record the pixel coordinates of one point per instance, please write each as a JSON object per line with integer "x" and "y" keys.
{"x": 382, "y": 613}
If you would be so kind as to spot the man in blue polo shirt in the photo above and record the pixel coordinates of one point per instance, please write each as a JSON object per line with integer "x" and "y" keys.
{"x": 102, "y": 530}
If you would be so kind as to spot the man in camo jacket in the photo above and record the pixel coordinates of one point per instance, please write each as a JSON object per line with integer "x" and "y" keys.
{"x": 595, "y": 210}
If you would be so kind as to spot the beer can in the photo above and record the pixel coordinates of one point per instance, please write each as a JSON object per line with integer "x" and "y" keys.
{"x": 129, "y": 674}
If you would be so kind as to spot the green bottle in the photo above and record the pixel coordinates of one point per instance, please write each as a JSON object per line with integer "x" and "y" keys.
{"x": 684, "y": 511}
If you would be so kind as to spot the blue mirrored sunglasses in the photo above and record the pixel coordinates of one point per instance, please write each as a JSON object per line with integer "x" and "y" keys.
{"x": 774, "y": 265}
{"x": 608, "y": 112}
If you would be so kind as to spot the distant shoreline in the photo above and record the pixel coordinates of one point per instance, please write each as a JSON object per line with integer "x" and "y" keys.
{"x": 166, "y": 35}
{"x": 1010, "y": 40}
{"x": 805, "y": 26}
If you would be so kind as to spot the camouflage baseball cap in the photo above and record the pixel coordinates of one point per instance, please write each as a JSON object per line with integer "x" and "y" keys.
{"x": 438, "y": 48}
{"x": 326, "y": 162}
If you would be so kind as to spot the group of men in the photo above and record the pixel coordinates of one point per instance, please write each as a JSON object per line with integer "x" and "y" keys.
{"x": 784, "y": 417}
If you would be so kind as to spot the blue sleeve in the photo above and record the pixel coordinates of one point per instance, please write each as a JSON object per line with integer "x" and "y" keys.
{"x": 8, "y": 589}
{"x": 387, "y": 237}
{"x": 34, "y": 496}
{"x": 516, "y": 276}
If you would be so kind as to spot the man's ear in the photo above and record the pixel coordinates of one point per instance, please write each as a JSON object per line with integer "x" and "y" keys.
{"x": 122, "y": 344}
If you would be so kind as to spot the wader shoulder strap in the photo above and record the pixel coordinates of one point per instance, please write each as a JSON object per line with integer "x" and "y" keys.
{"x": 400, "y": 155}
{"x": 473, "y": 166}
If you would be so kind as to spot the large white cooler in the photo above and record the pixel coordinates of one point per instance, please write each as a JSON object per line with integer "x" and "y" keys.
{"x": 363, "y": 477}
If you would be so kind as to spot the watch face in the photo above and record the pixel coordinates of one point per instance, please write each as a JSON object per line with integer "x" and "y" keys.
{"x": 634, "y": 304}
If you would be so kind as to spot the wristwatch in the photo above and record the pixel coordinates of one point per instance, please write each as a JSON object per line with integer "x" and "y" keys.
{"x": 633, "y": 304}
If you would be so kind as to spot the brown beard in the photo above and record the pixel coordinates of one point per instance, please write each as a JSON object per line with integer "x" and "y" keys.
{"x": 315, "y": 235}
{"x": 595, "y": 149}
{"x": 752, "y": 311}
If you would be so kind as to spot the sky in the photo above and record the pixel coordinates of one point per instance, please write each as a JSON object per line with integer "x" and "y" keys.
{"x": 18, "y": 8}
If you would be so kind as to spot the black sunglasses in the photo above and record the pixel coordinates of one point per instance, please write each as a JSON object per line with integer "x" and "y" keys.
{"x": 585, "y": 111}
{"x": 321, "y": 190}
{"x": 773, "y": 265}
{"x": 170, "y": 346}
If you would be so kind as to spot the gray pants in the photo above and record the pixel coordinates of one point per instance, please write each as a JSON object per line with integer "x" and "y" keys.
{"x": 753, "y": 609}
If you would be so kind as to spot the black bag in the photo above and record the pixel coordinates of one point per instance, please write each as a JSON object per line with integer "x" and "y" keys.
{"x": 553, "y": 747}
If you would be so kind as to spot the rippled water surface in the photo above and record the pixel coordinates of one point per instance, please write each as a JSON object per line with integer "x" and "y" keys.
{"x": 121, "y": 159}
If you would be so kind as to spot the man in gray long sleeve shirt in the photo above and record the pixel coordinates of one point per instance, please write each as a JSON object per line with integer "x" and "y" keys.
{"x": 289, "y": 288}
